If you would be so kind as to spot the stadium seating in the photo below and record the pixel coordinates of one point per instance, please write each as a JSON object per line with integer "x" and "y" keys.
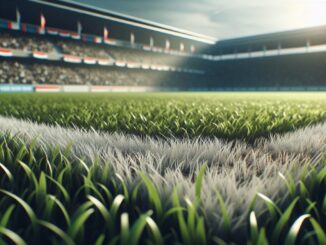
{"x": 14, "y": 72}
{"x": 25, "y": 42}
{"x": 82, "y": 49}
{"x": 58, "y": 70}
{"x": 47, "y": 44}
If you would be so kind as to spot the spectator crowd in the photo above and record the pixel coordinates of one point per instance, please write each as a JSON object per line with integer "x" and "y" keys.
{"x": 19, "y": 73}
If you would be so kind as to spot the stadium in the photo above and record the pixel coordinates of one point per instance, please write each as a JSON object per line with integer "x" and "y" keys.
{"x": 120, "y": 130}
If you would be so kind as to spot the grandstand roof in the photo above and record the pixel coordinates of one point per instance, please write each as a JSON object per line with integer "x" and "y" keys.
{"x": 125, "y": 19}
{"x": 286, "y": 39}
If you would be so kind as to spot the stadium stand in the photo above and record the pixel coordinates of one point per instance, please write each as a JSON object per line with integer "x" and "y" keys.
{"x": 16, "y": 72}
{"x": 25, "y": 42}
{"x": 82, "y": 49}
{"x": 60, "y": 54}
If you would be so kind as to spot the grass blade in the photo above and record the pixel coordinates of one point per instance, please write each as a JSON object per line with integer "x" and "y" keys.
{"x": 295, "y": 229}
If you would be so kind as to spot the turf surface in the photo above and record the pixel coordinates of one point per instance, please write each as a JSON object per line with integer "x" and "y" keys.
{"x": 130, "y": 190}
{"x": 230, "y": 116}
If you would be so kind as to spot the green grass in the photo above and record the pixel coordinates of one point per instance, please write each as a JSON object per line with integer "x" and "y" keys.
{"x": 48, "y": 199}
{"x": 226, "y": 115}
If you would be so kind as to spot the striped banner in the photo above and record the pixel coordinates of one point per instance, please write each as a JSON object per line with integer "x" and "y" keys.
{"x": 105, "y": 62}
{"x": 64, "y": 34}
{"x": 30, "y": 28}
{"x": 89, "y": 61}
{"x": 6, "y": 52}
{"x": 52, "y": 31}
{"x": 13, "y": 88}
{"x": 75, "y": 36}
{"x": 13, "y": 25}
{"x": 48, "y": 88}
{"x": 120, "y": 63}
{"x": 40, "y": 55}
{"x": 133, "y": 65}
{"x": 72, "y": 59}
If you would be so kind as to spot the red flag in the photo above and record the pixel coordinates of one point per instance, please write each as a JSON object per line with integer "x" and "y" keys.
{"x": 43, "y": 21}
{"x": 106, "y": 33}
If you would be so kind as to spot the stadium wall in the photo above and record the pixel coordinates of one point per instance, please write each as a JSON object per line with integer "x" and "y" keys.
{"x": 49, "y": 88}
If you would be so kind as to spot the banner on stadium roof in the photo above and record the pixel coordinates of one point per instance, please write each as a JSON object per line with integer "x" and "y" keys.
{"x": 87, "y": 38}
{"x": 64, "y": 34}
{"x": 47, "y": 88}
{"x": 11, "y": 25}
{"x": 72, "y": 59}
{"x": 40, "y": 55}
{"x": 6, "y": 52}
{"x": 90, "y": 61}
{"x": 30, "y": 28}
{"x": 11, "y": 88}
{"x": 75, "y": 35}
{"x": 52, "y": 31}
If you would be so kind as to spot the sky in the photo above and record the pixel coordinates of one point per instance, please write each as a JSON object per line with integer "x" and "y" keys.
{"x": 224, "y": 18}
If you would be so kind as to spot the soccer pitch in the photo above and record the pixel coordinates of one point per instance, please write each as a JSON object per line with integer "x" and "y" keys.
{"x": 163, "y": 168}
{"x": 224, "y": 115}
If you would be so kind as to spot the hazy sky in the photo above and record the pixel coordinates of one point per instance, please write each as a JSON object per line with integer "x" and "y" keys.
{"x": 224, "y": 18}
